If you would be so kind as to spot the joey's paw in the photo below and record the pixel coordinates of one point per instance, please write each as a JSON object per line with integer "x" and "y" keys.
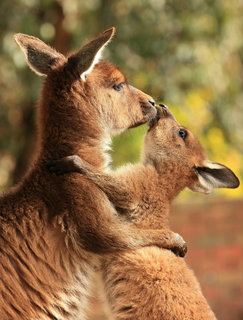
{"x": 55, "y": 166}
{"x": 180, "y": 249}
{"x": 67, "y": 164}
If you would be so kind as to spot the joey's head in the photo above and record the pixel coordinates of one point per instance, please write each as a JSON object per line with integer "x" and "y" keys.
{"x": 168, "y": 142}
{"x": 81, "y": 95}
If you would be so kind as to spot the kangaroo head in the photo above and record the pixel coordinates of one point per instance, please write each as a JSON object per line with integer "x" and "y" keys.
{"x": 85, "y": 88}
{"x": 167, "y": 140}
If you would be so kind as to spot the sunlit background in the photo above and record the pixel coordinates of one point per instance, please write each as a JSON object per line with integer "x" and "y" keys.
{"x": 187, "y": 54}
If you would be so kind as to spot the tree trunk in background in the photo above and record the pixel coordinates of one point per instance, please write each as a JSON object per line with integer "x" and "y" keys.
{"x": 62, "y": 37}
{"x": 61, "y": 43}
{"x": 105, "y": 16}
{"x": 24, "y": 157}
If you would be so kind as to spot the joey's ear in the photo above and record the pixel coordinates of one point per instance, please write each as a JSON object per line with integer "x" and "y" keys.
{"x": 40, "y": 57}
{"x": 214, "y": 175}
{"x": 90, "y": 53}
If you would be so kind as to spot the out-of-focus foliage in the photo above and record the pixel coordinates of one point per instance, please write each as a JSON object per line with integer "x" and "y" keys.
{"x": 186, "y": 53}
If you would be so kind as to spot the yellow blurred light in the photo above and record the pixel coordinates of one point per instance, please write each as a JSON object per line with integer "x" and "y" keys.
{"x": 140, "y": 80}
{"x": 47, "y": 31}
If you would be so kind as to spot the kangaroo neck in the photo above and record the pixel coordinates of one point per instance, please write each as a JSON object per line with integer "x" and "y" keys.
{"x": 173, "y": 176}
{"x": 73, "y": 127}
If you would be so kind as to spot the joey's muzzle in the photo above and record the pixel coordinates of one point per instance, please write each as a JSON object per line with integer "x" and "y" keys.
{"x": 162, "y": 113}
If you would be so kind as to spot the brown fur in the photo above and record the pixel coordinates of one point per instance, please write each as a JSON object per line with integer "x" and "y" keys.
{"x": 152, "y": 283}
{"x": 50, "y": 227}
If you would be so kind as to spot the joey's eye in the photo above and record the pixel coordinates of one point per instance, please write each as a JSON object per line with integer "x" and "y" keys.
{"x": 118, "y": 87}
{"x": 182, "y": 133}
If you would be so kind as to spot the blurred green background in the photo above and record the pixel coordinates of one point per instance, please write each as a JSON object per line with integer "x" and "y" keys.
{"x": 187, "y": 54}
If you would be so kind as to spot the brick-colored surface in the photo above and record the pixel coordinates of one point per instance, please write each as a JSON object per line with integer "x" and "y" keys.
{"x": 214, "y": 233}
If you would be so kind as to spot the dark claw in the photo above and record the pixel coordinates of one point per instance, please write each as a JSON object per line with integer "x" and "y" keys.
{"x": 50, "y": 163}
{"x": 53, "y": 167}
{"x": 180, "y": 251}
{"x": 183, "y": 251}
{"x": 64, "y": 165}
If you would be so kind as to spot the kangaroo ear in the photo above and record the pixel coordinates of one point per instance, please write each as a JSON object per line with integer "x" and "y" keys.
{"x": 40, "y": 57}
{"x": 91, "y": 52}
{"x": 214, "y": 175}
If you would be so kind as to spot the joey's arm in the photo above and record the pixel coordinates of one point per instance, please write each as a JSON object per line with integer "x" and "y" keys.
{"x": 109, "y": 233}
{"x": 120, "y": 193}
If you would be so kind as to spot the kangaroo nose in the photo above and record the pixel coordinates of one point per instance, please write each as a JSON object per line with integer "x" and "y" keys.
{"x": 151, "y": 102}
{"x": 163, "y": 106}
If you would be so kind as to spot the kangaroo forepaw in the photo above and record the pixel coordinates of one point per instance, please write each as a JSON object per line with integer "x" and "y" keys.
{"x": 55, "y": 166}
{"x": 64, "y": 165}
{"x": 180, "y": 248}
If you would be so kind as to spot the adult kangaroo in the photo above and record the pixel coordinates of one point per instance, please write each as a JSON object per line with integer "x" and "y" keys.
{"x": 51, "y": 228}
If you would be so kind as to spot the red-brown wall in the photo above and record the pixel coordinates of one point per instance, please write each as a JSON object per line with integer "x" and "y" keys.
{"x": 214, "y": 234}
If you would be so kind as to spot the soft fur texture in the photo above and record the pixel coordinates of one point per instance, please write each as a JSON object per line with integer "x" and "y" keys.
{"x": 52, "y": 227}
{"x": 152, "y": 283}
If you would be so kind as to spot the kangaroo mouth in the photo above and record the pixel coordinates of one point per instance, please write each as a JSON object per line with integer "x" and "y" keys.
{"x": 152, "y": 122}
{"x": 149, "y": 113}
{"x": 162, "y": 112}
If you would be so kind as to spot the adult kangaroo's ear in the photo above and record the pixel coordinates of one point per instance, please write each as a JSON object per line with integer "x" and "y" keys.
{"x": 214, "y": 175}
{"x": 40, "y": 57}
{"x": 90, "y": 53}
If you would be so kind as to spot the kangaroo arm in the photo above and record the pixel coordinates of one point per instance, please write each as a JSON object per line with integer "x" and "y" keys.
{"x": 120, "y": 193}
{"x": 122, "y": 236}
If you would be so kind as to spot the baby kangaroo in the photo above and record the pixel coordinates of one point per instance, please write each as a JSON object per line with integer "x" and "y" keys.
{"x": 152, "y": 283}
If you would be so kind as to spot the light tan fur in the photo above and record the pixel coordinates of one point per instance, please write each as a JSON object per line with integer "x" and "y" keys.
{"x": 152, "y": 283}
{"x": 51, "y": 228}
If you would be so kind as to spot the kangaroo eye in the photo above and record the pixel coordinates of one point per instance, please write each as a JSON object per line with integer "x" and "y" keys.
{"x": 118, "y": 87}
{"x": 182, "y": 133}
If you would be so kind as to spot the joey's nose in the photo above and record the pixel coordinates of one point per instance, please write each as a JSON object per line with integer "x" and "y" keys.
{"x": 151, "y": 101}
{"x": 163, "y": 106}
